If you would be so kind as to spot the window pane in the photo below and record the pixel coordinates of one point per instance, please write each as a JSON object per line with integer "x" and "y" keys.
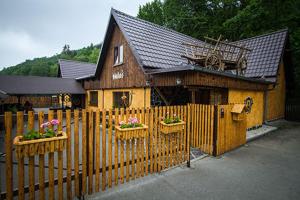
{"x": 116, "y": 55}
{"x": 121, "y": 54}
{"x": 120, "y": 99}
{"x": 94, "y": 98}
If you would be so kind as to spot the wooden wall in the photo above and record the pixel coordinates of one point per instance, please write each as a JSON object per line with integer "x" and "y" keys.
{"x": 255, "y": 117}
{"x": 276, "y": 97}
{"x": 193, "y": 78}
{"x": 141, "y": 98}
{"x": 38, "y": 102}
{"x": 133, "y": 74}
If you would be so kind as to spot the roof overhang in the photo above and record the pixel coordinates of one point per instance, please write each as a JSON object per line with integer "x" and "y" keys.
{"x": 208, "y": 71}
{"x": 36, "y": 85}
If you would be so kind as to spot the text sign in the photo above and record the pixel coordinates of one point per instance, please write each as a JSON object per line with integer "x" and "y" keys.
{"x": 118, "y": 75}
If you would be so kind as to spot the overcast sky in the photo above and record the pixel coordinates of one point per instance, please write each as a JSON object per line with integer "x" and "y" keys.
{"x": 36, "y": 28}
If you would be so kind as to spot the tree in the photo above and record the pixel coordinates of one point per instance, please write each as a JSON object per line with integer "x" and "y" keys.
{"x": 153, "y": 12}
{"x": 234, "y": 19}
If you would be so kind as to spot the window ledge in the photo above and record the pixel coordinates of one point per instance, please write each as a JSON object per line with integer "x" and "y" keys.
{"x": 118, "y": 64}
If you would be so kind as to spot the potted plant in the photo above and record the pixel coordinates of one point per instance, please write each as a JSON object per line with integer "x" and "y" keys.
{"x": 34, "y": 143}
{"x": 130, "y": 129}
{"x": 171, "y": 124}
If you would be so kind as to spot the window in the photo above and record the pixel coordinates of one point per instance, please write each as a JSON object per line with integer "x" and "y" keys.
{"x": 120, "y": 99}
{"x": 118, "y": 55}
{"x": 93, "y": 98}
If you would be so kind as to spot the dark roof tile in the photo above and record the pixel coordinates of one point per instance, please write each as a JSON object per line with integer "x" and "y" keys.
{"x": 76, "y": 69}
{"x": 37, "y": 85}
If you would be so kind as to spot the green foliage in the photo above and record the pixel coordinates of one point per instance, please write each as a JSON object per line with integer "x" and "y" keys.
{"x": 234, "y": 19}
{"x": 48, "y": 66}
{"x": 33, "y": 135}
{"x": 172, "y": 120}
{"x": 153, "y": 12}
{"x": 49, "y": 133}
{"x": 135, "y": 125}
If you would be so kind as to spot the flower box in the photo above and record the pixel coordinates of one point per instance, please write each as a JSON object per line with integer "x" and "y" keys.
{"x": 130, "y": 133}
{"x": 26, "y": 148}
{"x": 171, "y": 128}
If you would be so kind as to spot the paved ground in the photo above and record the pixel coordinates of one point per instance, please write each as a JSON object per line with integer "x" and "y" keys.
{"x": 267, "y": 168}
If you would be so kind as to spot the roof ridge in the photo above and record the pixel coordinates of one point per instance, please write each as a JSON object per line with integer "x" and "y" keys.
{"x": 75, "y": 61}
{"x": 159, "y": 26}
{"x": 263, "y": 35}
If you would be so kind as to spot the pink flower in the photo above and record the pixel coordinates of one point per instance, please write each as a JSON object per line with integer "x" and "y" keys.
{"x": 45, "y": 124}
{"x": 133, "y": 120}
{"x": 121, "y": 123}
{"x": 54, "y": 122}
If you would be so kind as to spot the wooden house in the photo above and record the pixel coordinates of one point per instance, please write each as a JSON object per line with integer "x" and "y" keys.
{"x": 141, "y": 64}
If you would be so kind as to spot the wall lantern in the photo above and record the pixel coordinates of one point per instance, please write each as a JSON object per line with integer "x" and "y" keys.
{"x": 148, "y": 83}
{"x": 178, "y": 81}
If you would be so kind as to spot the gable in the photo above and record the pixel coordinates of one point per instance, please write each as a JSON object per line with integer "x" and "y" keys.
{"x": 126, "y": 75}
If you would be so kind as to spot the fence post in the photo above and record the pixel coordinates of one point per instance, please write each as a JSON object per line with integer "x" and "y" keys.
{"x": 188, "y": 135}
{"x": 8, "y": 157}
{"x": 215, "y": 130}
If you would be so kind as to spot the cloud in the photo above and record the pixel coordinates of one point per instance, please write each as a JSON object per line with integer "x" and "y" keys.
{"x": 41, "y": 28}
{"x": 17, "y": 46}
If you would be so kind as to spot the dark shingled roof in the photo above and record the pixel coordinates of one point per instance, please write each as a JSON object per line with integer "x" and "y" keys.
{"x": 267, "y": 50}
{"x": 3, "y": 95}
{"x": 75, "y": 69}
{"x": 36, "y": 85}
{"x": 158, "y": 49}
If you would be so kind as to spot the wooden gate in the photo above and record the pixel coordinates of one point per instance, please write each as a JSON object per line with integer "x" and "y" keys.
{"x": 94, "y": 158}
{"x": 213, "y": 129}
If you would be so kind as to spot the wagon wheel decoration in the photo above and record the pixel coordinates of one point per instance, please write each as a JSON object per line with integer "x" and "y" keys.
{"x": 214, "y": 62}
{"x": 241, "y": 66}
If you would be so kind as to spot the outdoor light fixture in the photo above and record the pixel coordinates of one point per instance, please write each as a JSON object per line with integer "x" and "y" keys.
{"x": 147, "y": 83}
{"x": 178, "y": 81}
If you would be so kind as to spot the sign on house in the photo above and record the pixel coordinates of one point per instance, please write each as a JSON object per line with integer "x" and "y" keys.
{"x": 118, "y": 75}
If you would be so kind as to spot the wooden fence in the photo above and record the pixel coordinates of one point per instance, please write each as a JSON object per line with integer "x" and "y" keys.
{"x": 94, "y": 158}
{"x": 292, "y": 111}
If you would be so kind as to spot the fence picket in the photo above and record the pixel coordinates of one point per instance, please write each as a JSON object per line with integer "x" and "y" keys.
{"x": 8, "y": 157}
{"x": 84, "y": 148}
{"x": 20, "y": 130}
{"x": 110, "y": 148}
{"x": 116, "y": 148}
{"x": 60, "y": 159}
{"x": 76, "y": 151}
{"x": 103, "y": 149}
{"x": 41, "y": 161}
{"x": 122, "y": 153}
{"x": 69, "y": 154}
{"x": 31, "y": 159}
{"x": 97, "y": 151}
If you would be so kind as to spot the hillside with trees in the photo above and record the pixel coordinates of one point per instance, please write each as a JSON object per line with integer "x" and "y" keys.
{"x": 47, "y": 66}
{"x": 233, "y": 19}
